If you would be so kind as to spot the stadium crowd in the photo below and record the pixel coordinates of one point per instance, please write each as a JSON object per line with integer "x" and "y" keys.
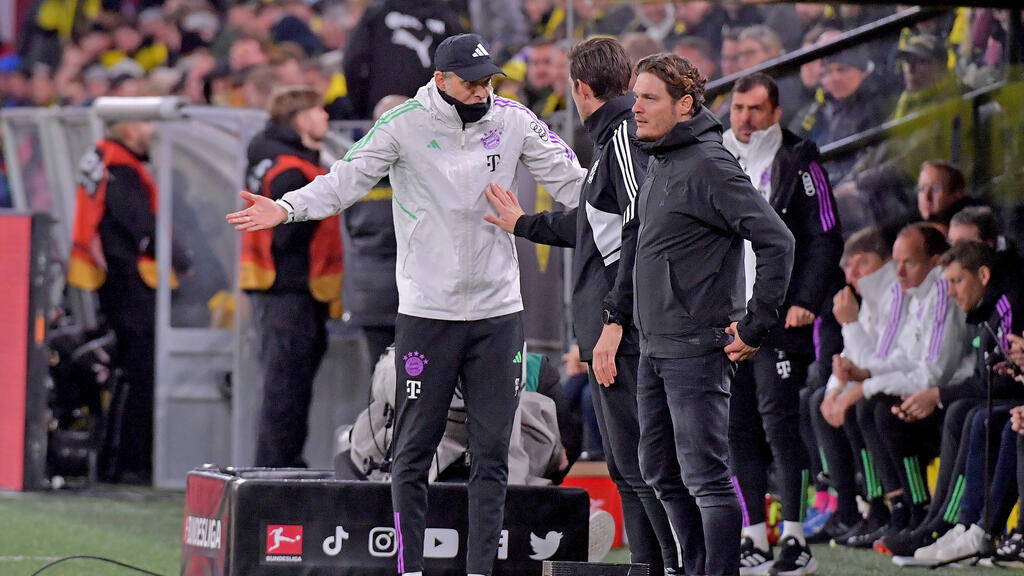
{"x": 907, "y": 348}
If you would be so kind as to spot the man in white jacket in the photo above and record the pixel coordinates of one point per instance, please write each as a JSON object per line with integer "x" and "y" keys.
{"x": 929, "y": 351}
{"x": 459, "y": 312}
{"x": 870, "y": 272}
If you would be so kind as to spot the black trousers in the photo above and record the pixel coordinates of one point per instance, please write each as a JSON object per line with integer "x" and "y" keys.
{"x": 683, "y": 407}
{"x": 431, "y": 357}
{"x": 764, "y": 424}
{"x": 905, "y": 446}
{"x": 949, "y": 487}
{"x": 843, "y": 456}
{"x": 130, "y": 309}
{"x": 293, "y": 340}
{"x": 647, "y": 528}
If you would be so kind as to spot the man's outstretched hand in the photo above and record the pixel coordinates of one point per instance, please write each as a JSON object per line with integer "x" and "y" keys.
{"x": 507, "y": 206}
{"x": 261, "y": 214}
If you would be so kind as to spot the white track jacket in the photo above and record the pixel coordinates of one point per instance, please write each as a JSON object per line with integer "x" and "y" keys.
{"x": 452, "y": 265}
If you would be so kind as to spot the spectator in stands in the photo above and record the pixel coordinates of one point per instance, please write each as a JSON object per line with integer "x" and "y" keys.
{"x": 870, "y": 275}
{"x": 247, "y": 51}
{"x": 927, "y": 354}
{"x": 391, "y": 47}
{"x": 764, "y": 408}
{"x": 728, "y": 65}
{"x": 759, "y": 44}
{"x": 370, "y": 293}
{"x": 883, "y": 177}
{"x": 941, "y": 192}
{"x": 854, "y": 101}
{"x": 258, "y": 85}
{"x": 703, "y": 20}
{"x": 657, "y": 20}
{"x": 991, "y": 297}
{"x": 113, "y": 254}
{"x": 697, "y": 50}
{"x": 502, "y": 24}
{"x": 638, "y": 46}
{"x": 292, "y": 275}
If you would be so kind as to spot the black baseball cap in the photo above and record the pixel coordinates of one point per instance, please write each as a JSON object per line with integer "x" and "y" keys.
{"x": 467, "y": 56}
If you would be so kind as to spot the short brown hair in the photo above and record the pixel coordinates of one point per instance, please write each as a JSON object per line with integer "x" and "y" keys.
{"x": 287, "y": 101}
{"x": 970, "y": 255}
{"x": 935, "y": 243}
{"x": 680, "y": 76}
{"x": 952, "y": 177}
{"x": 867, "y": 241}
{"x": 602, "y": 64}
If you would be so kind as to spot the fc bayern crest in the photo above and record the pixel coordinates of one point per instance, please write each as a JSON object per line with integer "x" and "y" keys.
{"x": 491, "y": 139}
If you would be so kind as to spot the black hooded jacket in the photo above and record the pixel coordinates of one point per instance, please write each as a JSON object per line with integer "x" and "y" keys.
{"x": 1000, "y": 312}
{"x": 696, "y": 207}
{"x": 603, "y": 232}
{"x": 802, "y": 197}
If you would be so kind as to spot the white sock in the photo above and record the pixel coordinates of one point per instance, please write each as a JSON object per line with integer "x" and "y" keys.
{"x": 412, "y": 573}
{"x": 794, "y": 529}
{"x": 759, "y": 534}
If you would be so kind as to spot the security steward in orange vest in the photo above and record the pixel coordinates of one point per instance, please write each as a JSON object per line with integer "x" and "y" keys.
{"x": 113, "y": 249}
{"x": 292, "y": 274}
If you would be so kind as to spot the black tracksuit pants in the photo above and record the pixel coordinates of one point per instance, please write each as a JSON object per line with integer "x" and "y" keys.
{"x": 293, "y": 340}
{"x": 905, "y": 447}
{"x": 647, "y": 528}
{"x": 764, "y": 424}
{"x": 683, "y": 407}
{"x": 949, "y": 487}
{"x": 431, "y": 357}
{"x": 844, "y": 455}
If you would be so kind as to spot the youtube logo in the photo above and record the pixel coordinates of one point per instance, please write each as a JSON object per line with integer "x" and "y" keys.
{"x": 440, "y": 543}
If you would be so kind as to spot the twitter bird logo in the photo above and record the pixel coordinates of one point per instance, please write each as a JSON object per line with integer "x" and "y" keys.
{"x": 544, "y": 548}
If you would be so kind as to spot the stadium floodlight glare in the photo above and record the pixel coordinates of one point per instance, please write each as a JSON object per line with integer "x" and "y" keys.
{"x": 120, "y": 109}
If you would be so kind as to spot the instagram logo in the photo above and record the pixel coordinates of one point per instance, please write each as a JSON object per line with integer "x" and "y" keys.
{"x": 382, "y": 543}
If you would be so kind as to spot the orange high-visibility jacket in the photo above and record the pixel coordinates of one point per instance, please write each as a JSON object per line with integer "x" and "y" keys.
{"x": 257, "y": 270}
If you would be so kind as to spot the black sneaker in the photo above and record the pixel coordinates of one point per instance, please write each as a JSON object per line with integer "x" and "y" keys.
{"x": 794, "y": 559}
{"x": 906, "y": 542}
{"x": 866, "y": 539}
{"x": 753, "y": 560}
{"x": 1011, "y": 553}
{"x": 833, "y": 528}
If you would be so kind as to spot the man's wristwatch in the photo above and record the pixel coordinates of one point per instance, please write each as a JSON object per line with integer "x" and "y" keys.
{"x": 609, "y": 316}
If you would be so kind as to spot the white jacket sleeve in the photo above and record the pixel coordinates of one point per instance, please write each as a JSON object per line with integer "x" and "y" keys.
{"x": 552, "y": 163}
{"x": 349, "y": 179}
{"x": 858, "y": 345}
{"x": 944, "y": 348}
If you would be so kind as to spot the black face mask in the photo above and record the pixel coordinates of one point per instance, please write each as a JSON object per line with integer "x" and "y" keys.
{"x": 468, "y": 113}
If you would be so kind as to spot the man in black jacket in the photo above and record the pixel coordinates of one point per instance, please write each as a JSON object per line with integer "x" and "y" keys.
{"x": 604, "y": 236}
{"x": 391, "y": 49}
{"x": 696, "y": 207}
{"x": 764, "y": 418}
{"x": 292, "y": 275}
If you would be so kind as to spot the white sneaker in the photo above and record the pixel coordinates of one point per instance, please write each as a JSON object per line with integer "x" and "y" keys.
{"x": 970, "y": 542}
{"x": 754, "y": 561}
{"x": 930, "y": 553}
{"x": 602, "y": 535}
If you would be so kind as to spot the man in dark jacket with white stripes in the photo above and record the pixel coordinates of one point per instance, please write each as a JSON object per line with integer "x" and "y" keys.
{"x": 603, "y": 232}
{"x": 696, "y": 207}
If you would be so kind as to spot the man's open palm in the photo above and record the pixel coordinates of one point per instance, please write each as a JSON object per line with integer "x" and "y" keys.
{"x": 263, "y": 213}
